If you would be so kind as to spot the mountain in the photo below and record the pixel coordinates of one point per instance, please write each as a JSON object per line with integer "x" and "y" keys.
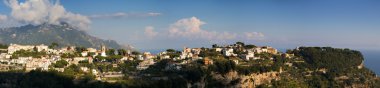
{"x": 63, "y": 34}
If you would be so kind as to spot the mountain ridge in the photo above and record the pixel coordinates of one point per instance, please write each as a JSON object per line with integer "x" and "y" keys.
{"x": 63, "y": 34}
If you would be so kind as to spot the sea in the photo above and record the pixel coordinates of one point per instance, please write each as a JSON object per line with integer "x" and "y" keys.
{"x": 371, "y": 58}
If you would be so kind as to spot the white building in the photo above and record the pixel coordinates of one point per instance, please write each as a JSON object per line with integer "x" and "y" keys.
{"x": 165, "y": 57}
{"x": 139, "y": 57}
{"x": 84, "y": 53}
{"x": 266, "y": 49}
{"x": 91, "y": 50}
{"x": 145, "y": 64}
{"x": 228, "y": 52}
{"x": 248, "y": 56}
{"x": 186, "y": 55}
{"x": 21, "y": 60}
{"x": 196, "y": 51}
{"x": 148, "y": 55}
{"x": 84, "y": 69}
{"x": 103, "y": 51}
{"x": 15, "y": 47}
{"x": 218, "y": 49}
{"x": 33, "y": 64}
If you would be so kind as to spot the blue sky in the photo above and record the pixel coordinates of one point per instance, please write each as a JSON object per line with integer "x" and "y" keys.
{"x": 149, "y": 24}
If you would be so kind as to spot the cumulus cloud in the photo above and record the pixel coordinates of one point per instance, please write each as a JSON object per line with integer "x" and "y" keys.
{"x": 45, "y": 11}
{"x": 191, "y": 28}
{"x": 253, "y": 35}
{"x": 124, "y": 15}
{"x": 149, "y": 31}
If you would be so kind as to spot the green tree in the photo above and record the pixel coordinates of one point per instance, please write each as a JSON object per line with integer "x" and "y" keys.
{"x": 53, "y": 45}
{"x": 122, "y": 52}
{"x": 136, "y": 53}
{"x": 60, "y": 64}
{"x": 35, "y": 49}
{"x": 3, "y": 46}
{"x": 91, "y": 54}
{"x": 110, "y": 52}
{"x": 214, "y": 46}
{"x": 80, "y": 49}
{"x": 170, "y": 50}
{"x": 250, "y": 46}
{"x": 240, "y": 43}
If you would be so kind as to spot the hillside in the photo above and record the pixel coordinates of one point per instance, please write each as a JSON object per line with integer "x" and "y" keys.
{"x": 304, "y": 67}
{"x": 46, "y": 34}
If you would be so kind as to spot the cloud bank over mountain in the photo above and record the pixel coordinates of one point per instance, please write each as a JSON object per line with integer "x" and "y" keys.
{"x": 37, "y": 12}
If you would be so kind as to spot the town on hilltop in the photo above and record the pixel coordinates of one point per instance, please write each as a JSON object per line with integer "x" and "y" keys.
{"x": 43, "y": 57}
{"x": 235, "y": 65}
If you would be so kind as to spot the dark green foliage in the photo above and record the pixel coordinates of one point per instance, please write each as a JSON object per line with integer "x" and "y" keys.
{"x": 215, "y": 46}
{"x": 318, "y": 81}
{"x": 158, "y": 67}
{"x": 194, "y": 73}
{"x": 91, "y": 54}
{"x": 122, "y": 52}
{"x": 136, "y": 53}
{"x": 80, "y": 49}
{"x": 223, "y": 66}
{"x": 53, "y": 45}
{"x": 170, "y": 50}
{"x": 35, "y": 79}
{"x": 71, "y": 70}
{"x": 43, "y": 79}
{"x": 331, "y": 58}
{"x": 240, "y": 43}
{"x": 250, "y": 46}
{"x": 68, "y": 55}
{"x": 28, "y": 53}
{"x": 246, "y": 70}
{"x": 173, "y": 53}
{"x": 129, "y": 66}
{"x": 289, "y": 83}
{"x": 3, "y": 46}
{"x": 110, "y": 52}
{"x": 60, "y": 64}
{"x": 208, "y": 53}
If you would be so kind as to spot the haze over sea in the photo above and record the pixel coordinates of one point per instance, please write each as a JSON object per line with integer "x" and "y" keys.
{"x": 371, "y": 60}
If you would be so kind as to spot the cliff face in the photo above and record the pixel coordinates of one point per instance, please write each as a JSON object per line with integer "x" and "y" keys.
{"x": 320, "y": 67}
{"x": 256, "y": 79}
{"x": 234, "y": 80}
{"x": 284, "y": 80}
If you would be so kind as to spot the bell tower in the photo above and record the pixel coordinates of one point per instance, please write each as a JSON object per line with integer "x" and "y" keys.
{"x": 103, "y": 48}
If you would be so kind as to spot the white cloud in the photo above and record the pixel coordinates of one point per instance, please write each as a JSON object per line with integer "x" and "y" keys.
{"x": 191, "y": 28}
{"x": 3, "y": 18}
{"x": 253, "y": 35}
{"x": 149, "y": 31}
{"x": 45, "y": 11}
{"x": 154, "y": 14}
{"x": 124, "y": 15}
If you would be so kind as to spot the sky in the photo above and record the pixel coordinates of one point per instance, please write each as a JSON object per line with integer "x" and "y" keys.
{"x": 162, "y": 24}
